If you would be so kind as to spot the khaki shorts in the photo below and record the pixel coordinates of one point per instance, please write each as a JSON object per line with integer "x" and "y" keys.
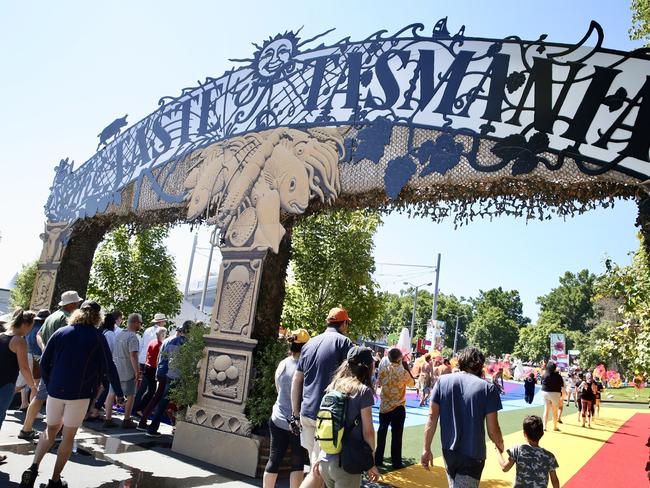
{"x": 308, "y": 438}
{"x": 70, "y": 413}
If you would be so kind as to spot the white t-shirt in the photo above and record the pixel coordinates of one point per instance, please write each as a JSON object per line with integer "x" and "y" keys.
{"x": 148, "y": 336}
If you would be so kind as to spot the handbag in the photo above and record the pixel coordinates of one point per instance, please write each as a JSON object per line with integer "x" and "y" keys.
{"x": 357, "y": 456}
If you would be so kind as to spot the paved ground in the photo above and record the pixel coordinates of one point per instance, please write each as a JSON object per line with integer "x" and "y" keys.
{"x": 129, "y": 459}
{"x": 111, "y": 459}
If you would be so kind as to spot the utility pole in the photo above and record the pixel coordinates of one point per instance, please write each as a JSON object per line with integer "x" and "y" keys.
{"x": 213, "y": 238}
{"x": 434, "y": 309}
{"x": 415, "y": 304}
{"x": 456, "y": 333}
{"x": 189, "y": 270}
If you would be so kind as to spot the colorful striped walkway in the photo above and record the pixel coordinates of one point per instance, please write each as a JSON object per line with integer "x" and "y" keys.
{"x": 612, "y": 450}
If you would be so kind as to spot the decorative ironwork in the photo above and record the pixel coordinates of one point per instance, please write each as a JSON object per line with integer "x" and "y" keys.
{"x": 509, "y": 90}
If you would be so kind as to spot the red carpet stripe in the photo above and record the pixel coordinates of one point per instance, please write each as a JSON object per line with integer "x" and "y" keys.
{"x": 621, "y": 461}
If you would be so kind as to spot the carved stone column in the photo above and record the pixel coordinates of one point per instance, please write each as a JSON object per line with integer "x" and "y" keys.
{"x": 216, "y": 429}
{"x": 66, "y": 260}
{"x": 55, "y": 239}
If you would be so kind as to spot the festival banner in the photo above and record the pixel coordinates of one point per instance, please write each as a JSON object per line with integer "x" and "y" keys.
{"x": 558, "y": 350}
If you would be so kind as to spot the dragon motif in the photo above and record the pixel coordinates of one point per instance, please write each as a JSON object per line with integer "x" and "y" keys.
{"x": 243, "y": 184}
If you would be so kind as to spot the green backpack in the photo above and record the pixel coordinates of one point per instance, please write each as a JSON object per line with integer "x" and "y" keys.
{"x": 330, "y": 422}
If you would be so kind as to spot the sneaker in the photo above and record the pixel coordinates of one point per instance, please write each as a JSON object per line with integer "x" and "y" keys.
{"x": 142, "y": 427}
{"x": 28, "y": 436}
{"x": 109, "y": 424}
{"x": 154, "y": 434}
{"x": 57, "y": 484}
{"x": 28, "y": 478}
{"x": 128, "y": 424}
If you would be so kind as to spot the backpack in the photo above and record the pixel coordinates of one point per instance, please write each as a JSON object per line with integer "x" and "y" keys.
{"x": 330, "y": 422}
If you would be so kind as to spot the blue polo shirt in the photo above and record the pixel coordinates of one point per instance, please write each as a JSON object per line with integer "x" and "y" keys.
{"x": 167, "y": 351}
{"x": 319, "y": 359}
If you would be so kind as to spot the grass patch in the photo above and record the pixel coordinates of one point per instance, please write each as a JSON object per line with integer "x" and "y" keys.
{"x": 627, "y": 394}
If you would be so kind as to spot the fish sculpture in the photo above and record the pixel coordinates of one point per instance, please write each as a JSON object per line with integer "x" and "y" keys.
{"x": 244, "y": 184}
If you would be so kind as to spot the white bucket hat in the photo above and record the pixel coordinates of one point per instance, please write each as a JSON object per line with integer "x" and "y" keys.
{"x": 69, "y": 297}
{"x": 159, "y": 317}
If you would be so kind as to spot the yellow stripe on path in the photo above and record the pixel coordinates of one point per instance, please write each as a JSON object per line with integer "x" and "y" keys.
{"x": 572, "y": 447}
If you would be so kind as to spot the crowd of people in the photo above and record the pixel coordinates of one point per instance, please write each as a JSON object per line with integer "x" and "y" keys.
{"x": 326, "y": 392}
{"x": 78, "y": 362}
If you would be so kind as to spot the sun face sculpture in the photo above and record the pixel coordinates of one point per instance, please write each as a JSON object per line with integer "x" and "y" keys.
{"x": 275, "y": 57}
{"x": 243, "y": 185}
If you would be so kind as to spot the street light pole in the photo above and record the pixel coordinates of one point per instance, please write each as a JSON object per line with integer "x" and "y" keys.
{"x": 456, "y": 333}
{"x": 434, "y": 309}
{"x": 415, "y": 303}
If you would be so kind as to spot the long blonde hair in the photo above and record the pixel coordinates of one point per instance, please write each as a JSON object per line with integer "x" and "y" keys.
{"x": 86, "y": 316}
{"x": 350, "y": 378}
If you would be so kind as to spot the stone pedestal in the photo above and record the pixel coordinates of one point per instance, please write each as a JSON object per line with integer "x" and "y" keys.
{"x": 216, "y": 429}
{"x": 231, "y": 451}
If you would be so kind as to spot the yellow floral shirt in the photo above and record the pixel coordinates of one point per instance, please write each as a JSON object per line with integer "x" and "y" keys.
{"x": 393, "y": 380}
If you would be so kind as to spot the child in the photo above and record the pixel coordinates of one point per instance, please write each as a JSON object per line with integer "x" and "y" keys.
{"x": 534, "y": 464}
{"x": 529, "y": 388}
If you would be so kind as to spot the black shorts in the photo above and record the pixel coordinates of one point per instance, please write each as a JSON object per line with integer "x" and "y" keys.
{"x": 458, "y": 463}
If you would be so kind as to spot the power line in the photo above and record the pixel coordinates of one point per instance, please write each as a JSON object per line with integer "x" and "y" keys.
{"x": 408, "y": 265}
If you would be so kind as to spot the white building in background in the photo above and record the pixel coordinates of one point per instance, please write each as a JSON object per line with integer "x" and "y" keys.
{"x": 5, "y": 296}
{"x": 196, "y": 290}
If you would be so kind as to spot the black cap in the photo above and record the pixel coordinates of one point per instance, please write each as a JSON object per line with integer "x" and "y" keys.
{"x": 92, "y": 304}
{"x": 360, "y": 355}
{"x": 185, "y": 328}
{"x": 42, "y": 315}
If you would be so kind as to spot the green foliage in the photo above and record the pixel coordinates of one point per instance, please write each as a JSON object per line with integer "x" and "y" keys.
{"x": 493, "y": 331}
{"x": 593, "y": 346}
{"x": 629, "y": 342}
{"x": 398, "y": 311}
{"x": 332, "y": 264}
{"x": 571, "y": 302}
{"x": 533, "y": 343}
{"x": 640, "y": 29}
{"x": 507, "y": 301}
{"x": 21, "y": 295}
{"x": 262, "y": 394}
{"x": 188, "y": 361}
{"x": 133, "y": 272}
{"x": 449, "y": 306}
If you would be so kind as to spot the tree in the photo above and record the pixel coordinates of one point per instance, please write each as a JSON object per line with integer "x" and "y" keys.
{"x": 508, "y": 301}
{"x": 21, "y": 295}
{"x": 629, "y": 340}
{"x": 593, "y": 346}
{"x": 449, "y": 306}
{"x": 640, "y": 29}
{"x": 493, "y": 331}
{"x": 533, "y": 343}
{"x": 332, "y": 264}
{"x": 572, "y": 300}
{"x": 133, "y": 272}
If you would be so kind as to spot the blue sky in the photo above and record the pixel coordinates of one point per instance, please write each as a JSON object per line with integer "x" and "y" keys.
{"x": 69, "y": 68}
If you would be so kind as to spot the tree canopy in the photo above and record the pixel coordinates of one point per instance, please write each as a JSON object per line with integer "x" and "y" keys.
{"x": 640, "y": 29}
{"x": 571, "y": 302}
{"x": 21, "y": 295}
{"x": 629, "y": 341}
{"x": 507, "y": 301}
{"x": 133, "y": 272}
{"x": 332, "y": 265}
{"x": 493, "y": 331}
